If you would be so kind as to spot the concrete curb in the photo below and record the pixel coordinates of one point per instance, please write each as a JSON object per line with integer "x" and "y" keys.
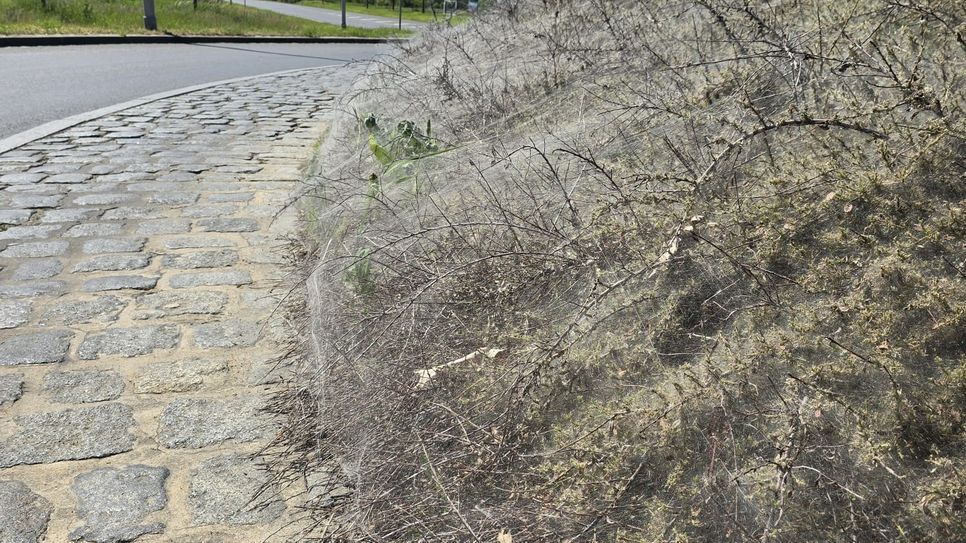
{"x": 23, "y": 138}
{"x": 101, "y": 39}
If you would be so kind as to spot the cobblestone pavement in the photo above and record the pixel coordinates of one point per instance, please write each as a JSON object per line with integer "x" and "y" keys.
{"x": 139, "y": 271}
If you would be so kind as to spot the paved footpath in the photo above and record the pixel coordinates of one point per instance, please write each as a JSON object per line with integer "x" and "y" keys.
{"x": 334, "y": 16}
{"x": 140, "y": 261}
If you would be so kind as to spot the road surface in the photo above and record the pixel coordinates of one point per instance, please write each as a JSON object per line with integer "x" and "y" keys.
{"x": 144, "y": 260}
{"x": 332, "y": 16}
{"x": 43, "y": 84}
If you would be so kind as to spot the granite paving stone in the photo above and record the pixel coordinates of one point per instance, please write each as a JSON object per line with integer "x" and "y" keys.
{"x": 52, "y": 168}
{"x": 163, "y": 226}
{"x": 123, "y": 213}
{"x": 11, "y": 388}
{"x": 114, "y": 503}
{"x": 193, "y": 168}
{"x": 103, "y": 169}
{"x": 43, "y": 190}
{"x": 177, "y": 177}
{"x": 47, "y": 347}
{"x": 13, "y": 313}
{"x": 136, "y": 172}
{"x": 83, "y": 386}
{"x": 120, "y": 282}
{"x": 233, "y": 333}
{"x": 71, "y": 434}
{"x": 22, "y": 155}
{"x": 38, "y": 269}
{"x": 222, "y": 491}
{"x": 174, "y": 199}
{"x": 24, "y": 515}
{"x": 231, "y": 197}
{"x": 201, "y": 259}
{"x": 102, "y": 199}
{"x": 101, "y": 309}
{"x": 36, "y": 190}
{"x": 69, "y": 215}
{"x": 228, "y": 225}
{"x": 32, "y": 288}
{"x": 169, "y": 304}
{"x": 220, "y": 182}
{"x": 215, "y": 278}
{"x": 181, "y": 376}
{"x": 93, "y": 229}
{"x": 117, "y": 245}
{"x": 129, "y": 342}
{"x": 196, "y": 242}
{"x": 211, "y": 210}
{"x": 193, "y": 423}
{"x": 36, "y": 249}
{"x": 67, "y": 178}
{"x": 113, "y": 262}
{"x": 239, "y": 168}
{"x": 102, "y": 187}
{"x": 27, "y": 201}
{"x": 21, "y": 178}
{"x": 154, "y": 186}
{"x": 264, "y": 371}
{"x": 39, "y": 231}
{"x": 15, "y": 216}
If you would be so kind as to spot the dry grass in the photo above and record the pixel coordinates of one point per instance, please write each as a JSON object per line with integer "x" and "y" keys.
{"x": 690, "y": 271}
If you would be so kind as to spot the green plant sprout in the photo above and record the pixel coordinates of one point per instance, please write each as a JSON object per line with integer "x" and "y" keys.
{"x": 400, "y": 149}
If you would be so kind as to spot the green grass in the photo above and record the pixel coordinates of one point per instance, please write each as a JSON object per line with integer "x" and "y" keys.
{"x": 175, "y": 16}
{"x": 409, "y": 13}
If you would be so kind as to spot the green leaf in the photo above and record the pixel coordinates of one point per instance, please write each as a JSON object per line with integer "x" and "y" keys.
{"x": 380, "y": 152}
{"x": 396, "y": 166}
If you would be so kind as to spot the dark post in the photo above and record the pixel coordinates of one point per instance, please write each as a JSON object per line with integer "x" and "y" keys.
{"x": 150, "y": 21}
{"x": 400, "y": 14}
{"x": 343, "y": 13}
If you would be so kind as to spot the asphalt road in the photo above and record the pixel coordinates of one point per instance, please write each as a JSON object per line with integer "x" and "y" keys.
{"x": 43, "y": 84}
{"x": 330, "y": 16}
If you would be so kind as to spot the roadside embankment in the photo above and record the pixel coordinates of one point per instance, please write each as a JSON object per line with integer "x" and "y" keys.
{"x": 626, "y": 271}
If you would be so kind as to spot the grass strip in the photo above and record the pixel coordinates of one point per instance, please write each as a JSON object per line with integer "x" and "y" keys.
{"x": 210, "y": 18}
